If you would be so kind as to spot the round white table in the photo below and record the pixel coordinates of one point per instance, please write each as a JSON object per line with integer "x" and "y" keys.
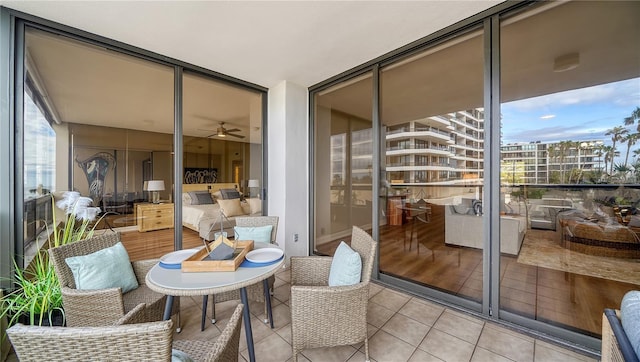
{"x": 175, "y": 283}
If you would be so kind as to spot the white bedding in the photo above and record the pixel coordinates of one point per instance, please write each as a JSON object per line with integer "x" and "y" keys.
{"x": 192, "y": 214}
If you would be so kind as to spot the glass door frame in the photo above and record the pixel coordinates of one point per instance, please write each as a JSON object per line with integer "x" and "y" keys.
{"x": 489, "y": 308}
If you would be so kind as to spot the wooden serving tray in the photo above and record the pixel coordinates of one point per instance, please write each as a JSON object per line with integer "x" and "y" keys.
{"x": 195, "y": 263}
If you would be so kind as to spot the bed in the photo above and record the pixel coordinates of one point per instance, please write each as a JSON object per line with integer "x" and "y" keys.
{"x": 205, "y": 219}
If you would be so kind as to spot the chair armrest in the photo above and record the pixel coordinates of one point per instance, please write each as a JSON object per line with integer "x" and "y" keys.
{"x": 136, "y": 315}
{"x": 84, "y": 308}
{"x": 310, "y": 270}
{"x": 142, "y": 267}
{"x": 615, "y": 344}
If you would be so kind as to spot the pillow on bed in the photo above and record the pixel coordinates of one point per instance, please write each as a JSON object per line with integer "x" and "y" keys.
{"x": 200, "y": 198}
{"x": 255, "y": 205}
{"x": 186, "y": 198}
{"x": 231, "y": 207}
{"x": 228, "y": 194}
{"x": 217, "y": 195}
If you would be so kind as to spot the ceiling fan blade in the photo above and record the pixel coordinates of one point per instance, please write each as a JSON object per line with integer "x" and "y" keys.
{"x": 233, "y": 130}
{"x": 234, "y": 135}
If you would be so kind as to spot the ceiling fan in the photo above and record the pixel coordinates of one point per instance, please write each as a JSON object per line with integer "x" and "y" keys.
{"x": 223, "y": 132}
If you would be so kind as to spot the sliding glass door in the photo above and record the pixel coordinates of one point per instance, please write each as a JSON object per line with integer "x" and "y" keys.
{"x": 432, "y": 119}
{"x": 97, "y": 122}
{"x": 559, "y": 242}
{"x": 102, "y": 122}
{"x": 343, "y": 194}
{"x": 569, "y": 166}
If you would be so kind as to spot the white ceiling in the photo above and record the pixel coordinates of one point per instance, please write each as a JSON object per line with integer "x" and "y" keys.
{"x": 262, "y": 42}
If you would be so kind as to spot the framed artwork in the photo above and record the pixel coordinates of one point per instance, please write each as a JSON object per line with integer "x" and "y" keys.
{"x": 200, "y": 175}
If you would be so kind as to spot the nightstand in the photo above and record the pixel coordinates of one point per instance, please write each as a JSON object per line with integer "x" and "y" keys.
{"x": 154, "y": 216}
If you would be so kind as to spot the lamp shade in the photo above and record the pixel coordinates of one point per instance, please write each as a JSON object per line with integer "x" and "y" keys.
{"x": 253, "y": 183}
{"x": 155, "y": 185}
{"x": 145, "y": 186}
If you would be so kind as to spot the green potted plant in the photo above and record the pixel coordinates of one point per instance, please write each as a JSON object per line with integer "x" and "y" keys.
{"x": 37, "y": 297}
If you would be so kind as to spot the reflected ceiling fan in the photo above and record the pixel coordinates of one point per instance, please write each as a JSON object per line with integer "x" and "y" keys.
{"x": 223, "y": 132}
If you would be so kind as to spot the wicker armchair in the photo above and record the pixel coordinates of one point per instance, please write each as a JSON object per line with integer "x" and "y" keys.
{"x": 92, "y": 308}
{"x": 255, "y": 291}
{"x": 128, "y": 342}
{"x": 323, "y": 316}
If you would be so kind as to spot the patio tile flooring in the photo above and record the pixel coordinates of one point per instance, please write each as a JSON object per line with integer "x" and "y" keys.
{"x": 401, "y": 328}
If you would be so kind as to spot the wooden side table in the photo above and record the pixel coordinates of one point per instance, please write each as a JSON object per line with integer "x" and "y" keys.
{"x": 154, "y": 216}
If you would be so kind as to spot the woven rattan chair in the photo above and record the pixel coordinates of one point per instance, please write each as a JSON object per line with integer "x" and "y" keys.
{"x": 91, "y": 308}
{"x": 255, "y": 291}
{"x": 129, "y": 342}
{"x": 323, "y": 316}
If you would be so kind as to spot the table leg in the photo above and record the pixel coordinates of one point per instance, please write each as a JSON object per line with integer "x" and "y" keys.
{"x": 267, "y": 300}
{"x": 205, "y": 300}
{"x": 167, "y": 308}
{"x": 247, "y": 324}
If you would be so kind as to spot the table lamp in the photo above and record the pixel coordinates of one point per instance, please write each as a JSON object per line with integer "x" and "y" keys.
{"x": 252, "y": 184}
{"x": 154, "y": 186}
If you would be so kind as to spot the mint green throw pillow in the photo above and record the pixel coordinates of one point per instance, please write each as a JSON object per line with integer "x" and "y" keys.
{"x": 259, "y": 234}
{"x": 106, "y": 268}
{"x": 179, "y": 356}
{"x": 346, "y": 267}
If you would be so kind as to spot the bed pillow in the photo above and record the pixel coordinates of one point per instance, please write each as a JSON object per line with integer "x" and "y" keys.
{"x": 259, "y": 234}
{"x": 231, "y": 207}
{"x": 346, "y": 266}
{"x": 106, "y": 268}
{"x": 217, "y": 195}
{"x": 186, "y": 198}
{"x": 228, "y": 194}
{"x": 200, "y": 198}
{"x": 255, "y": 205}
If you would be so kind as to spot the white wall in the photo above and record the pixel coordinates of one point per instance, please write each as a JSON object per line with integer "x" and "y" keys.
{"x": 288, "y": 162}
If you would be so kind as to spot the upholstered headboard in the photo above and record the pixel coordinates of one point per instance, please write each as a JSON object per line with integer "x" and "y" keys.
{"x": 211, "y": 187}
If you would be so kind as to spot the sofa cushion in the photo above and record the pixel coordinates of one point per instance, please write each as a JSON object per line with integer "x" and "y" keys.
{"x": 630, "y": 318}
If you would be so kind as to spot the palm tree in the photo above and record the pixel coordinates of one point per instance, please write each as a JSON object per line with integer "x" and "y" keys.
{"x": 635, "y": 116}
{"x": 617, "y": 134}
{"x": 631, "y": 140}
{"x": 610, "y": 153}
{"x": 606, "y": 151}
{"x": 623, "y": 171}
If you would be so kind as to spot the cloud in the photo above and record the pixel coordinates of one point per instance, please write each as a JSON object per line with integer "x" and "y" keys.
{"x": 621, "y": 94}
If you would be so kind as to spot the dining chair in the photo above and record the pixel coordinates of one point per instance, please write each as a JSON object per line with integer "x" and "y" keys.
{"x": 123, "y": 341}
{"x": 255, "y": 291}
{"x": 327, "y": 316}
{"x": 102, "y": 307}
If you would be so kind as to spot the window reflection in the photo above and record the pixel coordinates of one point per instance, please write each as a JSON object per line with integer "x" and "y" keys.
{"x": 567, "y": 165}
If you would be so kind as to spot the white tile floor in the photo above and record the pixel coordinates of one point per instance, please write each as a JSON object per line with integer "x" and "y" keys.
{"x": 401, "y": 328}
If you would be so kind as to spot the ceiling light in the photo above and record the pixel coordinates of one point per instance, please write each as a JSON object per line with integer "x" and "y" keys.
{"x": 566, "y": 62}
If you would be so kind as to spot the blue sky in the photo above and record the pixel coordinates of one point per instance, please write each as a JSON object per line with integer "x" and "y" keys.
{"x": 576, "y": 115}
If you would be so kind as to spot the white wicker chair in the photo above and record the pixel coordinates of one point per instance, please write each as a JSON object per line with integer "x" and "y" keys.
{"x": 324, "y": 316}
{"x": 255, "y": 291}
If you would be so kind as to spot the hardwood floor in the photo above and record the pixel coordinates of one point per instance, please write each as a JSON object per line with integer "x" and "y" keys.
{"x": 565, "y": 299}
{"x": 154, "y": 244}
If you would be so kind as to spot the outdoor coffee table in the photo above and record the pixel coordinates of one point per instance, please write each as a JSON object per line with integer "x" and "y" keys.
{"x": 175, "y": 283}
